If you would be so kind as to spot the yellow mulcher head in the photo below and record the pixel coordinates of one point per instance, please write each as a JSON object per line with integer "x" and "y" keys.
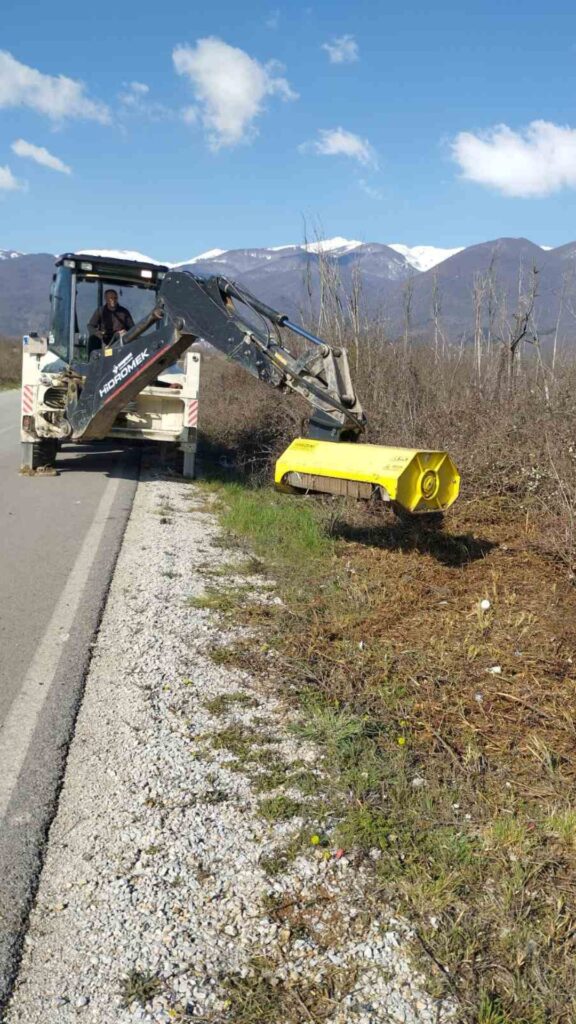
{"x": 418, "y": 481}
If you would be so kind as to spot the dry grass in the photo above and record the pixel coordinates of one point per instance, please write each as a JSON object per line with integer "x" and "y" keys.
{"x": 448, "y": 729}
{"x": 263, "y": 996}
{"x": 10, "y": 362}
{"x": 461, "y": 776}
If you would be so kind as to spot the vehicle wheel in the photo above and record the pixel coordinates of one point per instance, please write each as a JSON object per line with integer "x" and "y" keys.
{"x": 188, "y": 464}
{"x": 44, "y": 452}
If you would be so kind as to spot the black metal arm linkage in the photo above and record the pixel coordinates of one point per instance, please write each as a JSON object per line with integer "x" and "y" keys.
{"x": 193, "y": 308}
{"x": 321, "y": 376}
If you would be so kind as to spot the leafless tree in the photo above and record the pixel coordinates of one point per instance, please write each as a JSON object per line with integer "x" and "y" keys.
{"x": 439, "y": 335}
{"x": 407, "y": 296}
{"x": 521, "y": 328}
{"x": 478, "y": 293}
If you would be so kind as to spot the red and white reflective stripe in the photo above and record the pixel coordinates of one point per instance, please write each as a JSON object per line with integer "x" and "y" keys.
{"x": 192, "y": 412}
{"x": 27, "y": 399}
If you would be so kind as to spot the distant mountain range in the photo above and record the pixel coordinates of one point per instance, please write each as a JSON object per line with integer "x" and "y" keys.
{"x": 389, "y": 279}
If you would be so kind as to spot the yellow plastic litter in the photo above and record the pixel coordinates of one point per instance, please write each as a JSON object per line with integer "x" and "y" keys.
{"x": 419, "y": 481}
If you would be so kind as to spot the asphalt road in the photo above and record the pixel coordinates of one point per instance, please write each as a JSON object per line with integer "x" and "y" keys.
{"x": 59, "y": 538}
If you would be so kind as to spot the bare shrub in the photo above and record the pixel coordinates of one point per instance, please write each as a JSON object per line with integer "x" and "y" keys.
{"x": 10, "y": 361}
{"x": 244, "y": 423}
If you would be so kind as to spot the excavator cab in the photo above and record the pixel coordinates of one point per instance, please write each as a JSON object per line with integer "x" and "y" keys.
{"x": 79, "y": 286}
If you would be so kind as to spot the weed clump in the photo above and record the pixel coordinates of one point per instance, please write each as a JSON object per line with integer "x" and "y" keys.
{"x": 139, "y": 987}
{"x": 280, "y": 808}
{"x": 226, "y": 702}
{"x": 263, "y": 996}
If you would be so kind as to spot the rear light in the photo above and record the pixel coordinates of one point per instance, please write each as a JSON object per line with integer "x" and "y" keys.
{"x": 28, "y": 424}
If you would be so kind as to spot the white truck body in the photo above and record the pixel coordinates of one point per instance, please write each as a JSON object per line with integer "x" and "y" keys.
{"x": 165, "y": 412}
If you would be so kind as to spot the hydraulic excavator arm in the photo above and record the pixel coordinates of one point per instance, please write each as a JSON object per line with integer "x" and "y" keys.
{"x": 190, "y": 308}
{"x": 242, "y": 327}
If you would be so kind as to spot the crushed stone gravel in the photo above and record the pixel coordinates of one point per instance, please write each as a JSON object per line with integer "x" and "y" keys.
{"x": 155, "y": 903}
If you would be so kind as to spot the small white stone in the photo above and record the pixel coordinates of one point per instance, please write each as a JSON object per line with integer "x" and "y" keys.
{"x": 485, "y": 604}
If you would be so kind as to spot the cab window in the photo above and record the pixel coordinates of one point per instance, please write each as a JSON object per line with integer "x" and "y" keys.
{"x": 90, "y": 296}
{"x": 60, "y": 296}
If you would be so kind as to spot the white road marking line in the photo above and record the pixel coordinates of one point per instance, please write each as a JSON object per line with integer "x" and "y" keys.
{"x": 18, "y": 730}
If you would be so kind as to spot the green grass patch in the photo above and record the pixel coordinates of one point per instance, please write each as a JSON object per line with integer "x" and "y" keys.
{"x": 278, "y": 527}
{"x": 226, "y": 702}
{"x": 279, "y": 808}
{"x": 232, "y": 655}
{"x": 284, "y": 774}
{"x": 216, "y": 600}
{"x": 243, "y": 742}
{"x": 249, "y": 566}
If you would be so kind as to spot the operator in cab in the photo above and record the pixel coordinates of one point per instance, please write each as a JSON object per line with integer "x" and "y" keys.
{"x": 111, "y": 318}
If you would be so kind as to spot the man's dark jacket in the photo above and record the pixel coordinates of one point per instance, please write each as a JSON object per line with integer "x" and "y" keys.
{"x": 111, "y": 320}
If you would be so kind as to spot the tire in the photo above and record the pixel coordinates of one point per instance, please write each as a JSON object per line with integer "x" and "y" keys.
{"x": 188, "y": 465}
{"x": 44, "y": 452}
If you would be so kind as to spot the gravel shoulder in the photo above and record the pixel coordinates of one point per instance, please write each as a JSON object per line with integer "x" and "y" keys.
{"x": 164, "y": 895}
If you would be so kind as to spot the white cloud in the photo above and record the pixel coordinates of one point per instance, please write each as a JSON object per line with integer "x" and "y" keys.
{"x": 57, "y": 97}
{"x": 230, "y": 88}
{"x": 40, "y": 155}
{"x": 339, "y": 142}
{"x": 139, "y": 88}
{"x": 534, "y": 162}
{"x": 134, "y": 101}
{"x": 134, "y": 93}
{"x": 273, "y": 20}
{"x": 8, "y": 183}
{"x": 343, "y": 50}
{"x": 370, "y": 190}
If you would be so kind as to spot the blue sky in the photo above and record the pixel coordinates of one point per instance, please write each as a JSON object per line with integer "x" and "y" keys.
{"x": 186, "y": 126}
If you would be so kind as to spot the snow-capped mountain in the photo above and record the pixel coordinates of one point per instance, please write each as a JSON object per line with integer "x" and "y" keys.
{"x": 335, "y": 246}
{"x": 289, "y": 278}
{"x": 419, "y": 257}
{"x": 119, "y": 254}
{"x": 423, "y": 257}
{"x": 210, "y": 254}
